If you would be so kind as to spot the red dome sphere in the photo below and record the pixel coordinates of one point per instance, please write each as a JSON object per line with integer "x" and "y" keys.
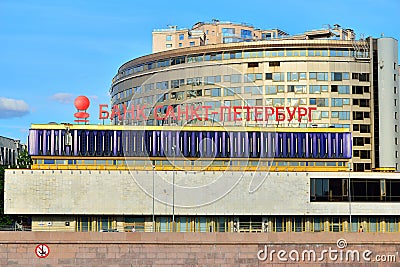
{"x": 82, "y": 102}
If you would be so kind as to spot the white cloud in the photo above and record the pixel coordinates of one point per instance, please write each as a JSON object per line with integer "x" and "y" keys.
{"x": 11, "y": 108}
{"x": 63, "y": 98}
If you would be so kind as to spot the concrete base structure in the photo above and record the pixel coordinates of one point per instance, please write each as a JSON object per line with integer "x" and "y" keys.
{"x": 199, "y": 249}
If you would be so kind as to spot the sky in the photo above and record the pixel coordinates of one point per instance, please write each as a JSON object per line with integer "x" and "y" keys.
{"x": 53, "y": 51}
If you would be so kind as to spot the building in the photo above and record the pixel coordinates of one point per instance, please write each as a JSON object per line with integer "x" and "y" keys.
{"x": 9, "y": 151}
{"x": 352, "y": 83}
{"x": 250, "y": 132}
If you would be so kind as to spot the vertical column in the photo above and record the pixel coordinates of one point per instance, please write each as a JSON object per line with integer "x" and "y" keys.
{"x": 177, "y": 144}
{"x": 45, "y": 144}
{"x": 277, "y": 145}
{"x": 315, "y": 148}
{"x": 300, "y": 145}
{"x": 284, "y": 145}
{"x": 154, "y": 151}
{"x": 231, "y": 145}
{"x": 115, "y": 143}
{"x": 246, "y": 149}
{"x": 239, "y": 144}
{"x": 224, "y": 146}
{"x": 293, "y": 138}
{"x": 208, "y": 144}
{"x": 255, "y": 146}
{"x": 217, "y": 136}
{"x": 330, "y": 145}
{"x": 307, "y": 145}
{"x": 337, "y": 145}
{"x": 270, "y": 142}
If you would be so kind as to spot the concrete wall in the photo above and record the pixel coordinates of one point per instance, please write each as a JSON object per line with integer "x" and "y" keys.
{"x": 194, "y": 249}
{"x": 196, "y": 193}
{"x": 388, "y": 102}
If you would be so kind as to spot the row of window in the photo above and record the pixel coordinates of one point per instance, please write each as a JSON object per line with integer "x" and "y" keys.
{"x": 188, "y": 163}
{"x": 261, "y": 90}
{"x": 255, "y": 90}
{"x": 242, "y": 54}
{"x": 359, "y": 190}
{"x": 243, "y": 223}
{"x": 246, "y": 78}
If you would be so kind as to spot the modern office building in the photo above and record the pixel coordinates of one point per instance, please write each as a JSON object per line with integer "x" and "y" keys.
{"x": 9, "y": 151}
{"x": 228, "y": 128}
{"x": 351, "y": 82}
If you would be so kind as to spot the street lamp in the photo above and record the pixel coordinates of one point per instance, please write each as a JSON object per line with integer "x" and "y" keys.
{"x": 349, "y": 195}
{"x": 173, "y": 188}
{"x": 154, "y": 222}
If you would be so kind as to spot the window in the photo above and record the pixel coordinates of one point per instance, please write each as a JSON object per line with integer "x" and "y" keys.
{"x": 266, "y": 36}
{"x": 292, "y": 76}
{"x": 162, "y": 85}
{"x": 212, "y": 79}
{"x": 322, "y": 102}
{"x": 216, "y": 92}
{"x": 344, "y": 89}
{"x": 278, "y": 77}
{"x": 362, "y": 77}
{"x": 181, "y": 36}
{"x": 180, "y": 44}
{"x": 228, "y": 31}
{"x": 273, "y": 89}
{"x": 317, "y": 89}
{"x": 298, "y": 89}
{"x": 231, "y": 91}
{"x": 322, "y": 76}
{"x": 169, "y": 37}
{"x": 246, "y": 34}
{"x": 236, "y": 78}
{"x": 278, "y": 102}
{"x": 319, "y": 76}
{"x": 268, "y": 76}
{"x": 364, "y": 128}
{"x": 191, "y": 43}
{"x": 252, "y": 77}
{"x": 274, "y": 63}
{"x": 254, "y": 90}
{"x": 344, "y": 115}
{"x": 177, "y": 83}
{"x": 252, "y": 64}
{"x": 270, "y": 90}
{"x": 295, "y": 76}
{"x": 168, "y": 45}
{"x": 317, "y": 53}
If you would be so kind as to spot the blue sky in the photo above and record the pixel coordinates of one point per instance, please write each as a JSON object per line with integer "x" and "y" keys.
{"x": 53, "y": 51}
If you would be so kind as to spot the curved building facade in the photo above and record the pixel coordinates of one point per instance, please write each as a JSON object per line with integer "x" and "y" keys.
{"x": 228, "y": 128}
{"x": 327, "y": 70}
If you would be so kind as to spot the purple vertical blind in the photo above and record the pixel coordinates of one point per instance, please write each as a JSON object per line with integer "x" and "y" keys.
{"x": 220, "y": 144}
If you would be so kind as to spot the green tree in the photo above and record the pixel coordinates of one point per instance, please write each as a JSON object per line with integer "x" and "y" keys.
{"x": 24, "y": 161}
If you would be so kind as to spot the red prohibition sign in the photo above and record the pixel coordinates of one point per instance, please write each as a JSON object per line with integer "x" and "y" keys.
{"x": 42, "y": 251}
